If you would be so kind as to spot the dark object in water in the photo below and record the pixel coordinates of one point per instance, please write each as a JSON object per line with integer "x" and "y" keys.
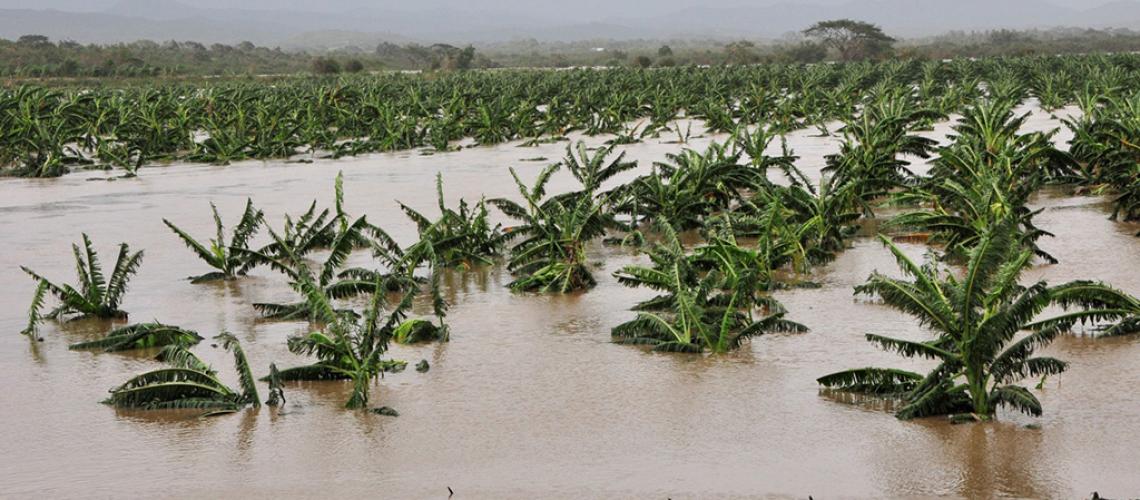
{"x": 386, "y": 411}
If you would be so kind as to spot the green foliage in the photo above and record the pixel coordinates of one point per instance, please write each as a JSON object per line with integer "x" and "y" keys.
{"x": 976, "y": 318}
{"x": 339, "y": 234}
{"x": 987, "y": 175}
{"x": 871, "y": 157}
{"x": 227, "y": 258}
{"x": 187, "y": 384}
{"x": 1107, "y": 143}
{"x": 48, "y": 132}
{"x": 141, "y": 336}
{"x": 348, "y": 347}
{"x": 690, "y": 187}
{"x": 94, "y": 296}
{"x": 554, "y": 232}
{"x": 707, "y": 298}
{"x": 461, "y": 237}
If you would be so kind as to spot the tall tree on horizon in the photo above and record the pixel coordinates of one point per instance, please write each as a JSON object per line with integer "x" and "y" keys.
{"x": 854, "y": 40}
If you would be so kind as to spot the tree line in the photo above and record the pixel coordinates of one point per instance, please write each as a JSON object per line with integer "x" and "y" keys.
{"x": 36, "y": 56}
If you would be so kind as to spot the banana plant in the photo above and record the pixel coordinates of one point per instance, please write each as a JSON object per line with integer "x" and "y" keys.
{"x": 552, "y": 254}
{"x": 593, "y": 170}
{"x": 140, "y": 336}
{"x": 699, "y": 309}
{"x": 976, "y": 318}
{"x": 94, "y": 296}
{"x": 349, "y": 347}
{"x": 188, "y": 383}
{"x": 227, "y": 258}
{"x": 335, "y": 280}
{"x": 462, "y": 237}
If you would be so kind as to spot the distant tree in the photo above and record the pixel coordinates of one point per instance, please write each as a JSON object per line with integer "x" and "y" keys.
{"x": 464, "y": 58}
{"x": 36, "y": 41}
{"x": 325, "y": 66}
{"x": 740, "y": 52}
{"x": 854, "y": 40}
{"x": 419, "y": 54}
{"x": 449, "y": 57}
{"x": 387, "y": 49}
{"x": 143, "y": 45}
{"x": 642, "y": 61}
{"x": 665, "y": 51}
{"x": 246, "y": 46}
{"x": 1008, "y": 37}
{"x": 69, "y": 68}
{"x": 482, "y": 61}
{"x": 806, "y": 52}
{"x": 666, "y": 62}
{"x": 354, "y": 66}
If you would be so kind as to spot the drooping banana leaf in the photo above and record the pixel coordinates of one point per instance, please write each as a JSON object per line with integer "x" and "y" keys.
{"x": 140, "y": 336}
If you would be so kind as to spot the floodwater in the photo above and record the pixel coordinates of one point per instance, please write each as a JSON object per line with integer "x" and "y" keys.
{"x": 529, "y": 399}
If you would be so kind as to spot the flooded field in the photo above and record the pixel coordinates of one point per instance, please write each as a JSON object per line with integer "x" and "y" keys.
{"x": 530, "y": 399}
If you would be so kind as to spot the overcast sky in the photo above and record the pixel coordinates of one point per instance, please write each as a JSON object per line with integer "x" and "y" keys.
{"x": 284, "y": 22}
{"x": 572, "y": 8}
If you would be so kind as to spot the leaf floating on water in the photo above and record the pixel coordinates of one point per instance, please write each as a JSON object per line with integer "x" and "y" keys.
{"x": 386, "y": 411}
{"x": 423, "y": 366}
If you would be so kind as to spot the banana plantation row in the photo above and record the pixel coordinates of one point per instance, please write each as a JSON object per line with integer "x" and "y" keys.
{"x": 764, "y": 226}
{"x": 47, "y": 132}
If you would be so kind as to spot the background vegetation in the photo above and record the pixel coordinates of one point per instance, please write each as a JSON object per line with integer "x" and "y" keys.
{"x": 34, "y": 56}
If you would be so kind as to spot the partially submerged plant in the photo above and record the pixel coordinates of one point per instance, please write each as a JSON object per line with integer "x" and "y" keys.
{"x": 96, "y": 296}
{"x": 707, "y": 299}
{"x": 340, "y": 236}
{"x": 976, "y": 319}
{"x": 348, "y": 347}
{"x": 335, "y": 282}
{"x": 461, "y": 237}
{"x": 140, "y": 336}
{"x": 551, "y": 256}
{"x": 188, "y": 384}
{"x": 227, "y": 258}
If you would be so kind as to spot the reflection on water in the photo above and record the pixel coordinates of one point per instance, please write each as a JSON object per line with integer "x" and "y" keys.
{"x": 529, "y": 399}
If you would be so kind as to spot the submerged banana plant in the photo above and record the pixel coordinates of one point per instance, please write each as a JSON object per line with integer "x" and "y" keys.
{"x": 348, "y": 347}
{"x": 976, "y": 319}
{"x": 225, "y": 257}
{"x": 552, "y": 255}
{"x": 460, "y": 237}
{"x": 340, "y": 235}
{"x": 140, "y": 336}
{"x": 706, "y": 299}
{"x": 188, "y": 383}
{"x": 94, "y": 296}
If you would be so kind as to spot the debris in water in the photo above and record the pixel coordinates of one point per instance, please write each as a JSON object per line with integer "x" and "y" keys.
{"x": 386, "y": 411}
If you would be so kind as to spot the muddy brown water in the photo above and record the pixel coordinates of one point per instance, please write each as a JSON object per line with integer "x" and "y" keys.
{"x": 529, "y": 399}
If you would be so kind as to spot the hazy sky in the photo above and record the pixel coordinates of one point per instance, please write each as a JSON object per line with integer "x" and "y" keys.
{"x": 473, "y": 21}
{"x": 576, "y": 8}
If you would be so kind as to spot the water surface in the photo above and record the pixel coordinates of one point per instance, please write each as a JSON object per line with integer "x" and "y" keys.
{"x": 530, "y": 398}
